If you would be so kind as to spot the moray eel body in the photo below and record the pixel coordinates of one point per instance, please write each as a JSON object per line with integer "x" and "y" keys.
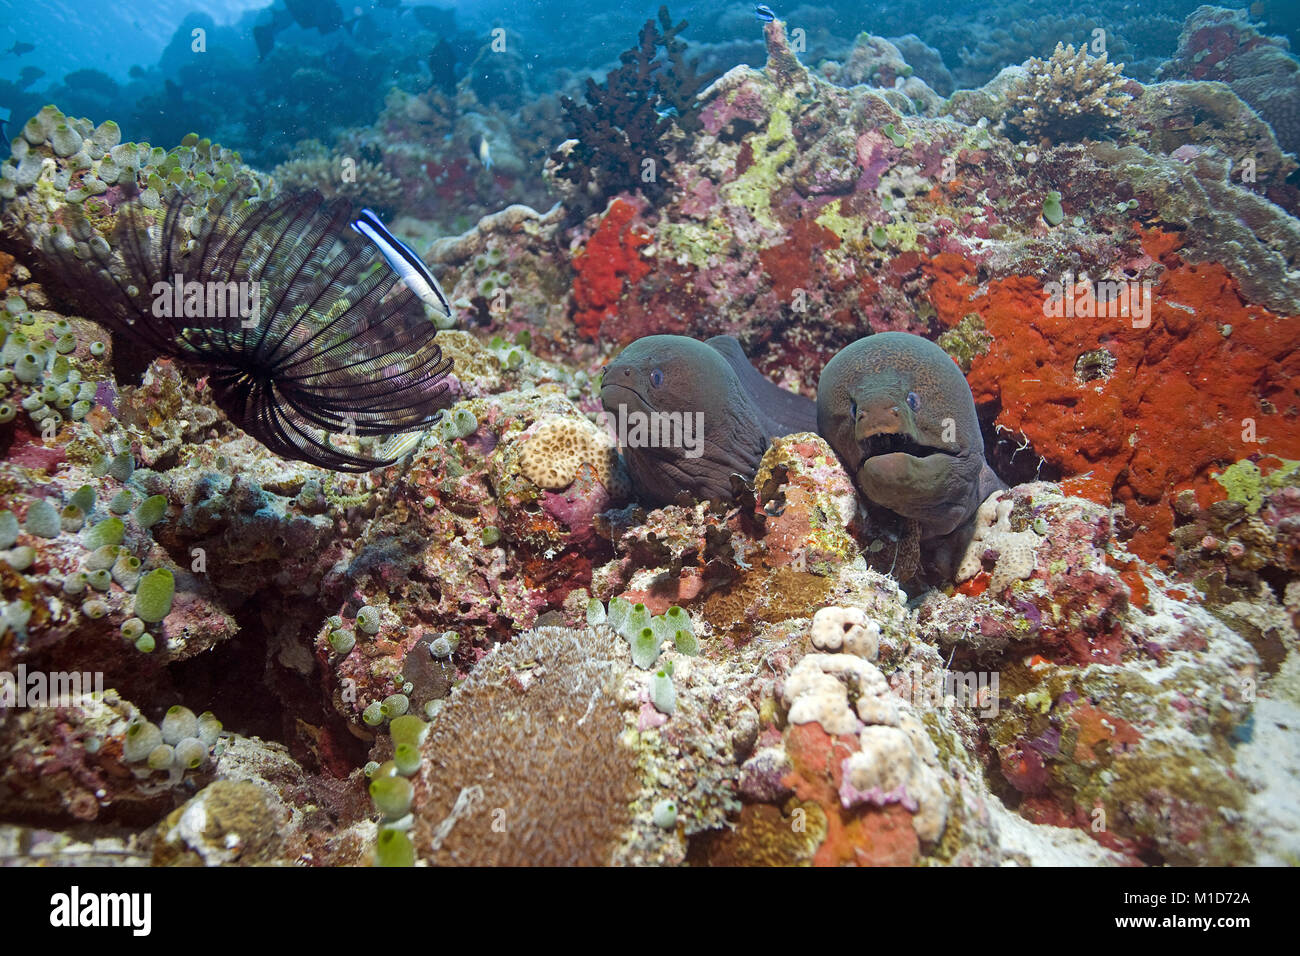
{"x": 724, "y": 411}
{"x": 899, "y": 413}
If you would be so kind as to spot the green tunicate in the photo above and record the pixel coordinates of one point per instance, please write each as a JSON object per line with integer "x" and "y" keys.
{"x": 153, "y": 596}
{"x": 102, "y": 533}
{"x": 100, "y": 580}
{"x": 72, "y": 518}
{"x": 122, "y": 502}
{"x": 178, "y": 722}
{"x": 102, "y": 558}
{"x": 408, "y": 729}
{"x": 8, "y": 529}
{"x": 42, "y": 519}
{"x": 65, "y": 140}
{"x": 395, "y": 705}
{"x": 490, "y": 536}
{"x": 392, "y": 796}
{"x": 94, "y": 609}
{"x": 145, "y": 644}
{"x": 464, "y": 421}
{"x": 76, "y": 583}
{"x": 121, "y": 466}
{"x": 84, "y": 498}
{"x": 878, "y": 237}
{"x": 1040, "y": 526}
{"x": 15, "y": 304}
{"x": 619, "y": 609}
{"x": 80, "y": 409}
{"x": 190, "y": 753}
{"x": 407, "y": 758}
{"x": 151, "y": 511}
{"x": 645, "y": 648}
{"x": 140, "y": 740}
{"x": 638, "y": 617}
{"x": 686, "y": 642}
{"x": 97, "y": 348}
{"x": 595, "y": 612}
{"x": 665, "y": 814}
{"x": 20, "y": 558}
{"x": 368, "y": 620}
{"x": 132, "y": 628}
{"x": 1053, "y": 214}
{"x": 65, "y": 344}
{"x": 662, "y": 693}
{"x": 373, "y": 715}
{"x": 7, "y": 413}
{"x": 161, "y": 757}
{"x": 126, "y": 571}
{"x": 342, "y": 642}
{"x": 27, "y": 368}
{"x": 394, "y": 848}
{"x": 895, "y": 137}
{"x": 209, "y": 728}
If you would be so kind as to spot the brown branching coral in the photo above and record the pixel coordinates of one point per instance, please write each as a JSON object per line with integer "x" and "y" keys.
{"x": 1067, "y": 96}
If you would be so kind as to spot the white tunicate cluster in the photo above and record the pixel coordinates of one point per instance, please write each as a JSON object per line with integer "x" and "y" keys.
{"x": 182, "y": 742}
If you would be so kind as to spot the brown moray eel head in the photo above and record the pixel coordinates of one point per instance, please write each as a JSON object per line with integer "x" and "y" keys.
{"x": 899, "y": 413}
{"x": 691, "y": 414}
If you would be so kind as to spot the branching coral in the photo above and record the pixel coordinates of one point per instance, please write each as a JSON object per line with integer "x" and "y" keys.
{"x": 622, "y": 130}
{"x": 1067, "y": 96}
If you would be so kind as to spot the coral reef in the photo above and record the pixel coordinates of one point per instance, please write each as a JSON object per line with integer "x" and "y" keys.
{"x": 488, "y": 651}
{"x": 1066, "y": 96}
{"x": 1223, "y": 45}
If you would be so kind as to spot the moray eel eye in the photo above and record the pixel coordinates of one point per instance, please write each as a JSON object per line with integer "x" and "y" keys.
{"x": 657, "y": 377}
{"x": 913, "y": 401}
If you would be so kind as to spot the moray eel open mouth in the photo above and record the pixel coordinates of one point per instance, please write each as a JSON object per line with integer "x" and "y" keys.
{"x": 891, "y": 443}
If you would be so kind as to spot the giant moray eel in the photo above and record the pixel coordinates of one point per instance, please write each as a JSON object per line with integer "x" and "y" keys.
{"x": 659, "y": 376}
{"x": 899, "y": 413}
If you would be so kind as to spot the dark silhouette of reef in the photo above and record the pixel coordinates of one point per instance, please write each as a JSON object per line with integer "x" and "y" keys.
{"x": 623, "y": 127}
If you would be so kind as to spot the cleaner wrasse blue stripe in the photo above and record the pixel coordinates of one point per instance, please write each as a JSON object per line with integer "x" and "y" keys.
{"x": 404, "y": 261}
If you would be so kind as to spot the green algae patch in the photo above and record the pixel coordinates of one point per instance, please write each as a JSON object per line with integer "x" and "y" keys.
{"x": 1246, "y": 484}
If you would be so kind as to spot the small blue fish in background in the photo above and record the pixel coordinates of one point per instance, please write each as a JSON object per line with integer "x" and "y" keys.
{"x": 764, "y": 13}
{"x": 666, "y": 112}
{"x": 404, "y": 261}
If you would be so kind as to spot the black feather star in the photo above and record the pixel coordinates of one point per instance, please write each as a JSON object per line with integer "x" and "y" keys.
{"x": 303, "y": 329}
